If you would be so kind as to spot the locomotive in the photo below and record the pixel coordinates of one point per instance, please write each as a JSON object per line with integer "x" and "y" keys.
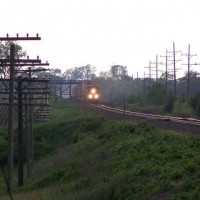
{"x": 86, "y": 92}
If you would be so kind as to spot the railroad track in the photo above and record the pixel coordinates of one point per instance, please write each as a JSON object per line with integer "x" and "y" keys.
{"x": 153, "y": 116}
{"x": 186, "y": 125}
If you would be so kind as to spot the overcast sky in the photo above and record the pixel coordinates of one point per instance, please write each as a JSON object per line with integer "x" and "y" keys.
{"x": 104, "y": 32}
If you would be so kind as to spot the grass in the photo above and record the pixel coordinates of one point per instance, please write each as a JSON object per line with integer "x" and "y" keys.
{"x": 80, "y": 156}
{"x": 183, "y": 109}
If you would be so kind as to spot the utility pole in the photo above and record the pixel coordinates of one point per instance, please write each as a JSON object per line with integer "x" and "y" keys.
{"x": 26, "y": 130}
{"x": 132, "y": 81}
{"x": 12, "y": 62}
{"x": 138, "y": 85}
{"x": 30, "y": 158}
{"x": 174, "y": 69}
{"x": 174, "y": 53}
{"x": 188, "y": 75}
{"x": 150, "y": 71}
{"x": 29, "y": 116}
{"x": 144, "y": 90}
{"x": 166, "y": 69}
{"x": 18, "y": 62}
{"x": 20, "y": 135}
{"x": 24, "y": 98}
{"x": 156, "y": 67}
{"x": 10, "y": 120}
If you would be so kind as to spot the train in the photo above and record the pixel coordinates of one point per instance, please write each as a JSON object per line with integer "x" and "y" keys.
{"x": 86, "y": 91}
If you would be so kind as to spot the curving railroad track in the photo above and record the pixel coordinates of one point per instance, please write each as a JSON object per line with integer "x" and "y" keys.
{"x": 184, "y": 125}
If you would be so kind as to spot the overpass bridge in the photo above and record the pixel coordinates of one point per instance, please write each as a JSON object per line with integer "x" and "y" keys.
{"x": 63, "y": 88}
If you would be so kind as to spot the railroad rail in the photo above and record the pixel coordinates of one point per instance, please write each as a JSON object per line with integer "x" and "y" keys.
{"x": 184, "y": 125}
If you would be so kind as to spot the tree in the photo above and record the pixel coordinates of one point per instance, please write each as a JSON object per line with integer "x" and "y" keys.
{"x": 80, "y": 73}
{"x": 169, "y": 76}
{"x": 5, "y": 52}
{"x": 127, "y": 79}
{"x": 195, "y": 103}
{"x": 157, "y": 94}
{"x": 105, "y": 74}
{"x": 189, "y": 87}
{"x": 117, "y": 71}
{"x": 193, "y": 74}
{"x": 55, "y": 71}
{"x": 54, "y": 74}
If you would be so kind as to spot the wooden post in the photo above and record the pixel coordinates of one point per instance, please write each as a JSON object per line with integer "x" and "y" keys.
{"x": 144, "y": 89}
{"x": 31, "y": 124}
{"x": 174, "y": 53}
{"x": 70, "y": 91}
{"x": 189, "y": 55}
{"x": 31, "y": 134}
{"x": 166, "y": 72}
{"x": 156, "y": 68}
{"x": 61, "y": 90}
{"x": 20, "y": 136}
{"x": 188, "y": 78}
{"x": 27, "y": 141}
{"x": 10, "y": 120}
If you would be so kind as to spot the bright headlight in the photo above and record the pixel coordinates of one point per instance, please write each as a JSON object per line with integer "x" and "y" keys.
{"x": 93, "y": 90}
{"x": 90, "y": 96}
{"x": 96, "y": 96}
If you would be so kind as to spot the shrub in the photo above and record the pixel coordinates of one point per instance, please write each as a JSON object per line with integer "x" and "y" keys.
{"x": 169, "y": 105}
{"x": 195, "y": 103}
{"x": 3, "y": 145}
{"x": 157, "y": 94}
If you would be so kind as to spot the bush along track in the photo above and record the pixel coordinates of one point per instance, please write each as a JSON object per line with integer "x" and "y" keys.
{"x": 80, "y": 156}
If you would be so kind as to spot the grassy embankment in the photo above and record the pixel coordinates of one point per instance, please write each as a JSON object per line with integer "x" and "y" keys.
{"x": 84, "y": 157}
{"x": 180, "y": 108}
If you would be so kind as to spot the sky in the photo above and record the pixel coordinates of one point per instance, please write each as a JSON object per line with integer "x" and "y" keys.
{"x": 105, "y": 32}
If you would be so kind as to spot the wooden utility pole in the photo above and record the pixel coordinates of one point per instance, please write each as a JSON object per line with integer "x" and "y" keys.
{"x": 10, "y": 120}
{"x": 188, "y": 75}
{"x": 156, "y": 67}
{"x": 144, "y": 87}
{"x": 166, "y": 69}
{"x": 30, "y": 134}
{"x": 150, "y": 71}
{"x": 28, "y": 100}
{"x": 20, "y": 113}
{"x": 12, "y": 61}
{"x": 26, "y": 130}
{"x": 174, "y": 69}
{"x": 24, "y": 99}
{"x": 132, "y": 81}
{"x": 174, "y": 53}
{"x": 20, "y": 136}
